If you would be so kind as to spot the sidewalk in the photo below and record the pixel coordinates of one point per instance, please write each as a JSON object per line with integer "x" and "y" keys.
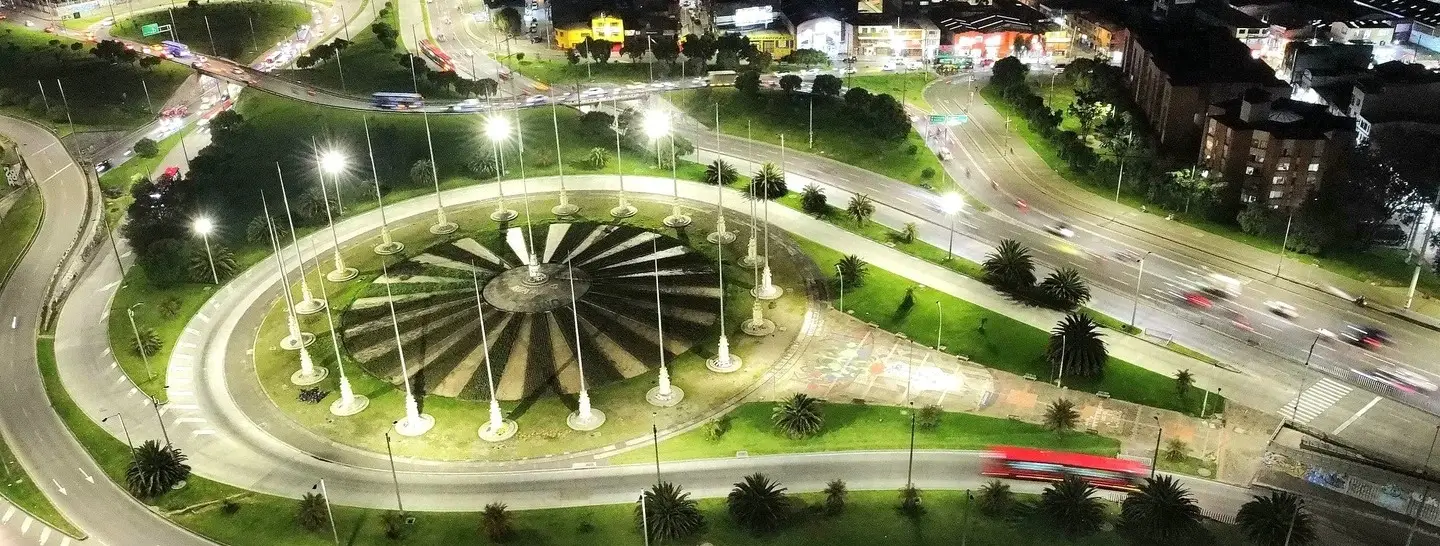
{"x": 984, "y": 130}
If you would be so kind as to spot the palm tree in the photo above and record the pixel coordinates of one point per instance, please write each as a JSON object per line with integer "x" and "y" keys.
{"x": 1010, "y": 266}
{"x": 1176, "y": 450}
{"x": 768, "y": 182}
{"x": 199, "y": 263}
{"x": 1183, "y": 381}
{"x": 813, "y": 200}
{"x": 148, "y": 342}
{"x": 1061, "y": 416}
{"x": 720, "y": 172}
{"x": 995, "y": 499}
{"x": 910, "y": 501}
{"x": 852, "y": 269}
{"x": 482, "y": 166}
{"x": 1160, "y": 512}
{"x": 313, "y": 516}
{"x": 861, "y": 208}
{"x": 496, "y": 521}
{"x": 799, "y": 416}
{"x": 598, "y": 158}
{"x": 1071, "y": 505}
{"x": 758, "y": 503}
{"x": 835, "y": 493}
{"x": 1065, "y": 287}
{"x": 670, "y": 513}
{"x": 155, "y": 469}
{"x": 1078, "y": 337}
{"x": 1278, "y": 519}
{"x": 420, "y": 172}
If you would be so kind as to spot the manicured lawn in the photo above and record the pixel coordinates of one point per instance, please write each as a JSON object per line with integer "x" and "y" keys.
{"x": 19, "y": 224}
{"x": 836, "y": 137}
{"x": 368, "y": 67}
{"x": 898, "y": 84}
{"x": 861, "y": 427}
{"x": 242, "y": 30}
{"x": 564, "y": 76}
{"x": 1004, "y": 343}
{"x": 101, "y": 95}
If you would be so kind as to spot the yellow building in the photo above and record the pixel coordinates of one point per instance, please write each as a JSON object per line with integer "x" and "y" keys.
{"x": 778, "y": 42}
{"x": 603, "y": 26}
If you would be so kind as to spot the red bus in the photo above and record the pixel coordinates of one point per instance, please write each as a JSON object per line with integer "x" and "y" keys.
{"x": 433, "y": 52}
{"x": 1022, "y": 463}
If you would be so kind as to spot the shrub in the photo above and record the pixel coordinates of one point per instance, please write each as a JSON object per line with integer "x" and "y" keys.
{"x": 929, "y": 417}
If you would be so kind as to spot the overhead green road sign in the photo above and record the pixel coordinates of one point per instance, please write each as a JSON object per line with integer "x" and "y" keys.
{"x": 953, "y": 119}
{"x": 150, "y": 29}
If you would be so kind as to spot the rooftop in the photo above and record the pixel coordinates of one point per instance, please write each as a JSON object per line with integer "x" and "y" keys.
{"x": 1191, "y": 56}
{"x": 1285, "y": 118}
{"x": 1234, "y": 18}
{"x": 1368, "y": 24}
{"x": 1424, "y": 11}
{"x": 958, "y": 18}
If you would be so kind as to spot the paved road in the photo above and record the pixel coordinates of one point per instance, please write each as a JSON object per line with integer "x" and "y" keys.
{"x": 42, "y": 443}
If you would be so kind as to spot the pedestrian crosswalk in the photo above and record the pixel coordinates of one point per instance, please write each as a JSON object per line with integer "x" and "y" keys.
{"x": 18, "y": 527}
{"x": 1313, "y": 401}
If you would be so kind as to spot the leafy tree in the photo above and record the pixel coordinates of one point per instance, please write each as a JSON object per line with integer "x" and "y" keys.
{"x": 768, "y": 182}
{"x": 598, "y": 158}
{"x": 858, "y": 98}
{"x": 1254, "y": 219}
{"x": 669, "y": 512}
{"x": 146, "y": 148}
{"x": 995, "y": 499}
{"x": 1079, "y": 338}
{"x": 929, "y": 417}
{"x": 700, "y": 47}
{"x": 720, "y": 172}
{"x": 1086, "y": 112}
{"x": 1276, "y": 520}
{"x": 1192, "y": 185}
{"x": 758, "y": 503}
{"x": 482, "y": 166}
{"x": 887, "y": 117}
{"x": 386, "y": 34}
{"x": 148, "y": 63}
{"x": 599, "y": 49}
{"x": 813, "y": 200}
{"x": 910, "y": 501}
{"x": 799, "y": 416}
{"x": 835, "y": 493}
{"x": 909, "y": 232}
{"x": 789, "y": 83}
{"x": 149, "y": 342}
{"x": 852, "y": 269}
{"x": 807, "y": 57}
{"x": 727, "y": 60}
{"x": 420, "y": 172}
{"x": 635, "y": 46}
{"x": 486, "y": 87}
{"x": 397, "y": 525}
{"x": 1010, "y": 266}
{"x": 826, "y": 85}
{"x": 1071, "y": 506}
{"x": 155, "y": 469}
{"x": 1009, "y": 73}
{"x": 312, "y": 515}
{"x": 114, "y": 51}
{"x": 1065, "y": 287}
{"x": 497, "y": 522}
{"x": 748, "y": 82}
{"x": 1176, "y": 450}
{"x": 258, "y": 231}
{"x": 734, "y": 42}
{"x": 665, "y": 48}
{"x": 717, "y": 427}
{"x": 1061, "y": 416}
{"x": 509, "y": 21}
{"x": 1160, "y": 512}
{"x": 861, "y": 208}
{"x": 761, "y": 61}
{"x": 1184, "y": 380}
{"x": 199, "y": 262}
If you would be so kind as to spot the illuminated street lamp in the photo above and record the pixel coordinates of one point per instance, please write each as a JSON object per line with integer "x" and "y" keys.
{"x": 334, "y": 163}
{"x": 952, "y": 204}
{"x": 497, "y": 128}
{"x": 204, "y": 226}
{"x": 657, "y": 125}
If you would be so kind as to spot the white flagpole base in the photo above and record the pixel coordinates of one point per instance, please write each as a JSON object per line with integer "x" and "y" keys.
{"x": 444, "y": 229}
{"x": 342, "y": 275}
{"x": 658, "y": 400}
{"x": 390, "y": 248}
{"x": 316, "y": 375}
{"x": 421, "y": 424}
{"x": 291, "y": 343}
{"x": 505, "y": 431}
{"x": 357, "y": 404}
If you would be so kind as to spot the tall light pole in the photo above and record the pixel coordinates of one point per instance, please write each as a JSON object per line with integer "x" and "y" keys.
{"x": 1155, "y": 459}
{"x": 499, "y": 428}
{"x": 953, "y": 205}
{"x": 657, "y": 126}
{"x": 940, "y": 326}
{"x": 139, "y": 343}
{"x": 387, "y": 246}
{"x": 1135, "y": 301}
{"x": 1415, "y": 523}
{"x": 585, "y": 417}
{"x": 394, "y": 476}
{"x": 721, "y": 236}
{"x": 497, "y": 128}
{"x": 329, "y": 513}
{"x": 663, "y": 394}
{"x": 1285, "y": 242}
{"x": 414, "y": 423}
{"x": 156, "y": 405}
{"x": 724, "y": 362}
{"x": 841, "y": 274}
{"x": 443, "y": 226}
{"x": 334, "y": 163}
{"x": 565, "y": 208}
{"x": 123, "y": 429}
{"x": 624, "y": 209}
{"x": 308, "y": 304}
{"x": 203, "y": 226}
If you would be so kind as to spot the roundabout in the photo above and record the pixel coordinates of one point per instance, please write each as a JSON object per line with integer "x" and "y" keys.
{"x": 502, "y": 365}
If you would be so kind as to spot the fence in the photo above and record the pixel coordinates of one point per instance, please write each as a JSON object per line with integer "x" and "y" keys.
{"x": 1397, "y": 493}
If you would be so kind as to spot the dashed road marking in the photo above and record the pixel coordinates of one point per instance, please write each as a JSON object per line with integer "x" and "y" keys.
{"x": 9, "y": 513}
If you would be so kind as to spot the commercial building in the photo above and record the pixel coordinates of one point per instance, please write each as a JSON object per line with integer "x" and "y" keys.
{"x": 1273, "y": 150}
{"x": 600, "y": 26}
{"x": 1363, "y": 32}
{"x": 825, "y": 34}
{"x": 1175, "y": 72}
{"x": 767, "y": 27}
{"x": 1246, "y": 29}
{"x": 1098, "y": 33}
{"x": 884, "y": 35}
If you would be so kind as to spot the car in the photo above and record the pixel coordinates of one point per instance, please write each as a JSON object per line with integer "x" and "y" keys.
{"x": 1196, "y": 299}
{"x": 103, "y": 166}
{"x": 1365, "y": 337}
{"x": 699, "y": 82}
{"x": 171, "y": 173}
{"x": 657, "y": 85}
{"x": 537, "y": 40}
{"x": 1281, "y": 308}
{"x": 633, "y": 86}
{"x": 108, "y": 21}
{"x": 592, "y": 92}
{"x": 467, "y": 105}
{"x": 945, "y": 155}
{"x": 1060, "y": 229}
{"x": 1399, "y": 379}
{"x": 845, "y": 70}
{"x": 533, "y": 100}
{"x": 889, "y": 66}
{"x": 1239, "y": 320}
{"x": 914, "y": 65}
{"x": 1022, "y": 205}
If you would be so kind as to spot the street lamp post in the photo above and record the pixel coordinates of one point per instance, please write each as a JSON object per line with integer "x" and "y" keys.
{"x": 329, "y": 513}
{"x": 140, "y": 344}
{"x": 1155, "y": 459}
{"x": 334, "y": 163}
{"x": 953, "y": 204}
{"x": 657, "y": 124}
{"x": 204, "y": 226}
{"x": 163, "y": 433}
{"x": 841, "y": 274}
{"x": 394, "y": 476}
{"x": 1415, "y": 523}
{"x": 496, "y": 129}
{"x": 1135, "y": 301}
{"x": 123, "y": 429}
{"x": 910, "y": 468}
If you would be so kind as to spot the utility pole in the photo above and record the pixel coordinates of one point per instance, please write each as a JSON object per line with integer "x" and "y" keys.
{"x": 393, "y": 476}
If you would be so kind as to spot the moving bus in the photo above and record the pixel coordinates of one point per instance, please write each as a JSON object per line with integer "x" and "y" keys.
{"x": 397, "y": 101}
{"x": 175, "y": 49}
{"x": 433, "y": 52}
{"x": 1037, "y": 464}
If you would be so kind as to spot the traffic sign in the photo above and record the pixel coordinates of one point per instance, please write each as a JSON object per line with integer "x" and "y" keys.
{"x": 953, "y": 119}
{"x": 150, "y": 29}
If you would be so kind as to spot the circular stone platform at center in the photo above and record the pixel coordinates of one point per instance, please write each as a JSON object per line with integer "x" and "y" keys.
{"x": 514, "y": 291}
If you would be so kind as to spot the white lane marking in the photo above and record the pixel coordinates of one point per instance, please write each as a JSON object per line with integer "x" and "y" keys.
{"x": 103, "y": 317}
{"x": 105, "y": 352}
{"x": 25, "y": 527}
{"x": 120, "y": 379}
{"x": 57, "y": 173}
{"x": 9, "y": 513}
{"x": 183, "y": 420}
{"x": 203, "y": 317}
{"x": 1313, "y": 401}
{"x": 44, "y": 535}
{"x": 65, "y": 541}
{"x": 107, "y": 287}
{"x": 1357, "y": 415}
{"x": 202, "y": 432}
{"x": 14, "y": 322}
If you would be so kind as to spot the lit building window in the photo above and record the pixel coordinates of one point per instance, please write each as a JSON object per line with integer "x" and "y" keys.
{"x": 1283, "y": 166}
{"x": 1276, "y": 194}
{"x": 1249, "y": 170}
{"x": 1278, "y": 180}
{"x": 1314, "y": 167}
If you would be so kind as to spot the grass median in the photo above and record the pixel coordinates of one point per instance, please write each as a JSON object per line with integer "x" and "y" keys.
{"x": 19, "y": 222}
{"x": 861, "y": 427}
